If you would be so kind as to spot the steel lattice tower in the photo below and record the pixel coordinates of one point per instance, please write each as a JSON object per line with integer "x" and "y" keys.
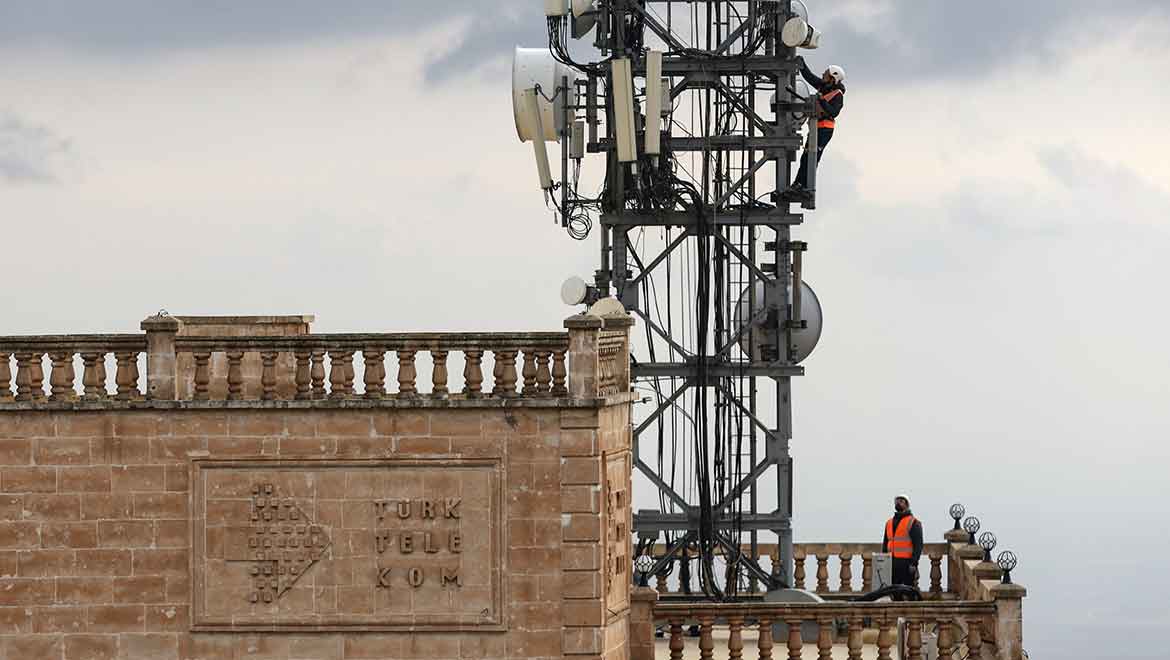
{"x": 721, "y": 344}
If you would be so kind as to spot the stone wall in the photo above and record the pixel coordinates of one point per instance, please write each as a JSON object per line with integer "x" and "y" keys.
{"x": 163, "y": 531}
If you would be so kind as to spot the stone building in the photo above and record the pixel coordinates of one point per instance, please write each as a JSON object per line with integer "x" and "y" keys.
{"x": 246, "y": 499}
{"x": 238, "y": 487}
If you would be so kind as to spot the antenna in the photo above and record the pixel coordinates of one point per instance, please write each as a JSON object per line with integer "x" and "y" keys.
{"x": 692, "y": 114}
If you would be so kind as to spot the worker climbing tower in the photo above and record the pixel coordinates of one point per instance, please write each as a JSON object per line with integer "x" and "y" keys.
{"x": 699, "y": 114}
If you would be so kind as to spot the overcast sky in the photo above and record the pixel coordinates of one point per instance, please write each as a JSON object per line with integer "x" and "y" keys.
{"x": 990, "y": 248}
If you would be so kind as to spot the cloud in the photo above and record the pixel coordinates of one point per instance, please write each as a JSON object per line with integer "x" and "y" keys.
{"x": 131, "y": 27}
{"x": 934, "y": 40}
{"x": 29, "y": 152}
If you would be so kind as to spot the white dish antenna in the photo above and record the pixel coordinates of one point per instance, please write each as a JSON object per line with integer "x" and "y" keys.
{"x": 532, "y": 67}
{"x": 753, "y": 342}
{"x": 574, "y": 291}
{"x": 584, "y": 17}
{"x": 797, "y": 33}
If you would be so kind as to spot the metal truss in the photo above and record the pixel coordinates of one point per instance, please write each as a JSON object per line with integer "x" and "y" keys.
{"x": 716, "y": 74}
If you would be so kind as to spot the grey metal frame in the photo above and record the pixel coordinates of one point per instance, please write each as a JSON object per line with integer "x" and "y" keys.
{"x": 712, "y": 68}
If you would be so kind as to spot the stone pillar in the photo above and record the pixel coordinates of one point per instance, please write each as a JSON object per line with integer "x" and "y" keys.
{"x": 967, "y": 555}
{"x": 1009, "y": 621}
{"x": 584, "y": 374}
{"x": 642, "y": 623}
{"x": 161, "y": 372}
{"x": 954, "y": 538}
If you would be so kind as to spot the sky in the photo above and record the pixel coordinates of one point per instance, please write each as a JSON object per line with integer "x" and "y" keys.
{"x": 989, "y": 247}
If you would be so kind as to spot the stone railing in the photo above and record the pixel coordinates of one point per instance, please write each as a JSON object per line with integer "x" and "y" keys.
{"x": 589, "y": 361}
{"x": 847, "y": 555}
{"x": 965, "y": 586}
{"x": 843, "y": 561}
{"x": 29, "y": 354}
{"x": 882, "y": 630}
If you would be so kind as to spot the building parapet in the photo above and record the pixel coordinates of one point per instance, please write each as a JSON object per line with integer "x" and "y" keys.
{"x": 586, "y": 364}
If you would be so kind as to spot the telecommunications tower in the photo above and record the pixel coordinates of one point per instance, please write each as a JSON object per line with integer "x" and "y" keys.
{"x": 698, "y": 112}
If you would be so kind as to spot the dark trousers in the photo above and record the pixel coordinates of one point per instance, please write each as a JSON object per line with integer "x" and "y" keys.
{"x": 823, "y": 137}
{"x": 902, "y": 574}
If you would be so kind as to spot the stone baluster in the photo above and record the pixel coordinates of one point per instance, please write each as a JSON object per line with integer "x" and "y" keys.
{"x": 529, "y": 373}
{"x": 473, "y": 373}
{"x": 268, "y": 375}
{"x": 706, "y": 640}
{"x": 975, "y": 639}
{"x": 202, "y": 375}
{"x": 825, "y": 639}
{"x": 317, "y": 374}
{"x": 798, "y": 570}
{"x": 93, "y": 376}
{"x": 337, "y": 374}
{"x": 5, "y": 377}
{"x": 913, "y": 639}
{"x": 795, "y": 643}
{"x": 24, "y": 377}
{"x": 866, "y": 572}
{"x": 543, "y": 375}
{"x": 375, "y": 374}
{"x": 946, "y": 639}
{"x": 235, "y": 375}
{"x": 38, "y": 376}
{"x": 660, "y": 583}
{"x": 846, "y": 572}
{"x": 735, "y": 637}
{"x": 676, "y": 639}
{"x": 885, "y": 640}
{"x": 62, "y": 376}
{"x": 764, "y": 642}
{"x": 303, "y": 375}
{"x": 505, "y": 374}
{"x": 497, "y": 373}
{"x": 439, "y": 375}
{"x": 127, "y": 375}
{"x": 407, "y": 375}
{"x": 347, "y": 363}
{"x": 559, "y": 374}
{"x": 822, "y": 574}
{"x": 936, "y": 574}
{"x": 854, "y": 643}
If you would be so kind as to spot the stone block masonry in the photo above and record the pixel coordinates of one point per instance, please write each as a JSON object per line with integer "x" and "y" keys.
{"x": 470, "y": 525}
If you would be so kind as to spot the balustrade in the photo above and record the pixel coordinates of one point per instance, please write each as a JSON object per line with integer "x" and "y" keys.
{"x": 324, "y": 365}
{"x": 852, "y": 630}
{"x": 27, "y": 383}
{"x": 299, "y": 367}
{"x": 841, "y": 559}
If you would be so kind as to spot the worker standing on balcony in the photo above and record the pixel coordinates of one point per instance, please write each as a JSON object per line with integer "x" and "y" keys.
{"x": 830, "y": 88}
{"x": 903, "y": 540}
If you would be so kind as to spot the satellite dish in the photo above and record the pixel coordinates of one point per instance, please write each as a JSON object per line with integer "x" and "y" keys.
{"x": 574, "y": 291}
{"x": 532, "y": 67}
{"x": 584, "y": 17}
{"x": 797, "y": 33}
{"x": 761, "y": 335}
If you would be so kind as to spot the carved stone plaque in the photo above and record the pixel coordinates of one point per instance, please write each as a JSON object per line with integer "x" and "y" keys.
{"x": 346, "y": 545}
{"x": 617, "y": 532}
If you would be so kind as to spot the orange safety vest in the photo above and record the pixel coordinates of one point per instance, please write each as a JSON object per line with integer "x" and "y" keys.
{"x": 900, "y": 545}
{"x": 829, "y": 122}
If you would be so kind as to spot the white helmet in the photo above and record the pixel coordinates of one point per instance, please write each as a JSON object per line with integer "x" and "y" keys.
{"x": 837, "y": 73}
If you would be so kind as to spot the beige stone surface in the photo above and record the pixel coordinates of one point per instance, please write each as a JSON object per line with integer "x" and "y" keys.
{"x": 110, "y": 532}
